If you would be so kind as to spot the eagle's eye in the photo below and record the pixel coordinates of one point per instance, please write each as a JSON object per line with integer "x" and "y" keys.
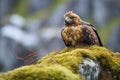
{"x": 71, "y": 17}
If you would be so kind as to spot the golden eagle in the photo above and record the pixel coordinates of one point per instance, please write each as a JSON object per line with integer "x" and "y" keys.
{"x": 77, "y": 32}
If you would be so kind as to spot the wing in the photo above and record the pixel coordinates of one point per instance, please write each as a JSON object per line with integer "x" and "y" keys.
{"x": 90, "y": 34}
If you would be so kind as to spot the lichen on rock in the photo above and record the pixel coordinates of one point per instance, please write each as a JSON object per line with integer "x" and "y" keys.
{"x": 64, "y": 65}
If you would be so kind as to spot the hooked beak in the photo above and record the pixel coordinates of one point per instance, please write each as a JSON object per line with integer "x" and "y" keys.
{"x": 68, "y": 20}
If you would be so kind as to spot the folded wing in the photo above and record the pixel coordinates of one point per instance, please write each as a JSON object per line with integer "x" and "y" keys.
{"x": 91, "y": 36}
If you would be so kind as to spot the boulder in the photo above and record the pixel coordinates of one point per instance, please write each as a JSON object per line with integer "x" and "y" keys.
{"x": 71, "y": 64}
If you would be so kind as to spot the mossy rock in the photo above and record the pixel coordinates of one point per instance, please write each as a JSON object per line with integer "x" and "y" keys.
{"x": 63, "y": 65}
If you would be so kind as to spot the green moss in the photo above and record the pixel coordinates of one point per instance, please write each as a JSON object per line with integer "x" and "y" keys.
{"x": 63, "y": 65}
{"x": 37, "y": 72}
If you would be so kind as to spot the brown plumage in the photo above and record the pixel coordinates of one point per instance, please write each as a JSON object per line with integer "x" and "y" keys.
{"x": 77, "y": 32}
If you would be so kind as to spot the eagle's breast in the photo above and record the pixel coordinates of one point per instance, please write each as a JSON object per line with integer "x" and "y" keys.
{"x": 72, "y": 35}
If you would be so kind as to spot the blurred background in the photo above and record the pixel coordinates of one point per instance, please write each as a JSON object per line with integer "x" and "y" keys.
{"x": 30, "y": 29}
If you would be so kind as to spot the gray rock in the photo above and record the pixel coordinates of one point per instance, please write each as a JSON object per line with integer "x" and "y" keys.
{"x": 89, "y": 69}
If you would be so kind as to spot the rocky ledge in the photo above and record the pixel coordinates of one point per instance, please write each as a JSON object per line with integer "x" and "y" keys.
{"x": 80, "y": 63}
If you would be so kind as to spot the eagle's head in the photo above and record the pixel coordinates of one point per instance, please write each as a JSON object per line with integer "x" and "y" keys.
{"x": 72, "y": 19}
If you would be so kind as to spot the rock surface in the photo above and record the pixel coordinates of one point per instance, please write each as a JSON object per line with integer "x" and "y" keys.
{"x": 65, "y": 65}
